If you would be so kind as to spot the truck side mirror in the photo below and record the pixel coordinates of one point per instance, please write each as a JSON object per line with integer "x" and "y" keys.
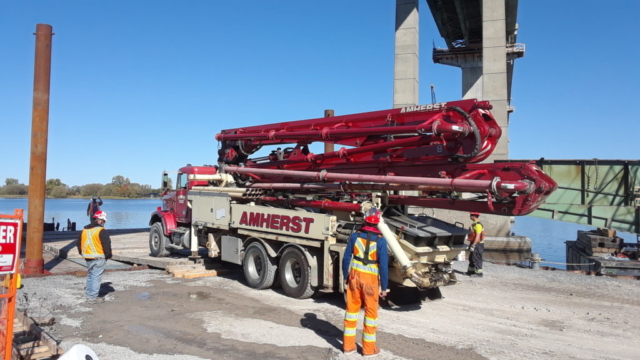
{"x": 165, "y": 181}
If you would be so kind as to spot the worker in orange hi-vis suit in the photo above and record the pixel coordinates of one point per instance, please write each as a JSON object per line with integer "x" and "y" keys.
{"x": 366, "y": 260}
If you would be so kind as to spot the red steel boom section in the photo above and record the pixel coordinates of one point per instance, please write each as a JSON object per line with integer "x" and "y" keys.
{"x": 434, "y": 149}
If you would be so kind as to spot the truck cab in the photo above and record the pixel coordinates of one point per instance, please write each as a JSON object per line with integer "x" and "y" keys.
{"x": 174, "y": 218}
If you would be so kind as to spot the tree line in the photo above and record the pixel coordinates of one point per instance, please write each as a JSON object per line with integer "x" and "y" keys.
{"x": 119, "y": 186}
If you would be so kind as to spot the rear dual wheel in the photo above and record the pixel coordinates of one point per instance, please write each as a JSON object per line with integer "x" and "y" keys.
{"x": 295, "y": 274}
{"x": 259, "y": 268}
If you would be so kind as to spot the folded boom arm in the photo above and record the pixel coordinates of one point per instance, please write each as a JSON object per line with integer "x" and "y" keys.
{"x": 434, "y": 149}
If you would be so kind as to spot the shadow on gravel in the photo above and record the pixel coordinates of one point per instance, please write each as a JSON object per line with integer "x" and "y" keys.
{"x": 334, "y": 299}
{"x": 105, "y": 288}
{"x": 323, "y": 329}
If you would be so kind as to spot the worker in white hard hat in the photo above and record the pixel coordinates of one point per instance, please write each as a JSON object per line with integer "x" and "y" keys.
{"x": 94, "y": 245}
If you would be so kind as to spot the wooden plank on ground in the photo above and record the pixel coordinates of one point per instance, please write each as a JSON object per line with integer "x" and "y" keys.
{"x": 183, "y": 267}
{"x": 48, "y": 345}
{"x": 182, "y": 272}
{"x": 42, "y": 355}
{"x": 25, "y": 345}
{"x": 206, "y": 273}
{"x": 35, "y": 350}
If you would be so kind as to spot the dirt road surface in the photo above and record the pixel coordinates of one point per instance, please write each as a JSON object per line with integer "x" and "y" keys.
{"x": 511, "y": 313}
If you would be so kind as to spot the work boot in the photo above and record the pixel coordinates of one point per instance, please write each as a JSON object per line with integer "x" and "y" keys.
{"x": 95, "y": 301}
{"x": 469, "y": 273}
{"x": 375, "y": 353}
{"x": 476, "y": 275}
{"x": 350, "y": 351}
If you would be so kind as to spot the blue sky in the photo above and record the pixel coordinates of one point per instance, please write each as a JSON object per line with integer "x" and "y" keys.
{"x": 138, "y": 87}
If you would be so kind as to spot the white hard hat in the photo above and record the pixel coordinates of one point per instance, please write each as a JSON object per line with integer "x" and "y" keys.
{"x": 79, "y": 352}
{"x": 101, "y": 215}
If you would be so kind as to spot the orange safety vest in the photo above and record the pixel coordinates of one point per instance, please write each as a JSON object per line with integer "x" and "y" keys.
{"x": 93, "y": 210}
{"x": 474, "y": 231}
{"x": 90, "y": 243}
{"x": 365, "y": 255}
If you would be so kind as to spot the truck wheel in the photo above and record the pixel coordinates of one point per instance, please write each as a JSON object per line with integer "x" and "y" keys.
{"x": 295, "y": 274}
{"x": 158, "y": 241}
{"x": 259, "y": 269}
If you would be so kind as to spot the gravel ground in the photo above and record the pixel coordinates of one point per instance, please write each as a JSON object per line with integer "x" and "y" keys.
{"x": 511, "y": 313}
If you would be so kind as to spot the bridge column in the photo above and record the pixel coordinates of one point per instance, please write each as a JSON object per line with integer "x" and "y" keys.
{"x": 494, "y": 70}
{"x": 406, "y": 83}
{"x": 405, "y": 74}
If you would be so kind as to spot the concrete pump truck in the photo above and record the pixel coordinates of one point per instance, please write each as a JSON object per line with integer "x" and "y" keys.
{"x": 286, "y": 216}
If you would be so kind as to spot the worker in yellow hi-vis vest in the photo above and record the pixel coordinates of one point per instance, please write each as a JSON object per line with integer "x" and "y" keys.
{"x": 476, "y": 246}
{"x": 365, "y": 266}
{"x": 94, "y": 245}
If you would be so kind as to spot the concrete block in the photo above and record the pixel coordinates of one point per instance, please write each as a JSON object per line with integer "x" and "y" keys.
{"x": 599, "y": 243}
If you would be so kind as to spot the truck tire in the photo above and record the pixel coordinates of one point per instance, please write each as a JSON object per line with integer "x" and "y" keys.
{"x": 158, "y": 241}
{"x": 259, "y": 269}
{"x": 295, "y": 274}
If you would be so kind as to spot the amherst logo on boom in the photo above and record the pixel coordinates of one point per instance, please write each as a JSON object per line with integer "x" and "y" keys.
{"x": 436, "y": 106}
{"x": 294, "y": 224}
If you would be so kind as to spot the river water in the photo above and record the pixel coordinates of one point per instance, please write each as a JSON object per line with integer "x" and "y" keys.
{"x": 547, "y": 236}
{"x": 121, "y": 214}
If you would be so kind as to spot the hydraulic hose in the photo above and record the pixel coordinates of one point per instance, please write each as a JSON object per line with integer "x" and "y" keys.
{"x": 476, "y": 133}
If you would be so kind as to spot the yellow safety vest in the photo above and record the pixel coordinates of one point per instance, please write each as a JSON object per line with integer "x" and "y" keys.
{"x": 365, "y": 255}
{"x": 476, "y": 228}
{"x": 90, "y": 243}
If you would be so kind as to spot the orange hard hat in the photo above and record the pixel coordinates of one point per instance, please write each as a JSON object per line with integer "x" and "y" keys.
{"x": 474, "y": 214}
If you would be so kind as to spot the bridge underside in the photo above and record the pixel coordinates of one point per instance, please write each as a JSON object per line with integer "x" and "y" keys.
{"x": 460, "y": 22}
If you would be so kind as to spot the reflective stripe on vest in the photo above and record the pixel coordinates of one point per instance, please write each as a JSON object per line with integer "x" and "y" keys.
{"x": 365, "y": 256}
{"x": 91, "y": 245}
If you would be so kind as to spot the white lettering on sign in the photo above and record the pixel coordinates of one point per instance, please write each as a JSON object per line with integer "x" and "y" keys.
{"x": 429, "y": 107}
{"x": 7, "y": 235}
{"x": 294, "y": 224}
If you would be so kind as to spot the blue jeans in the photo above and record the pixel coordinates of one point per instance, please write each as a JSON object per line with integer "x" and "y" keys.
{"x": 95, "y": 268}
